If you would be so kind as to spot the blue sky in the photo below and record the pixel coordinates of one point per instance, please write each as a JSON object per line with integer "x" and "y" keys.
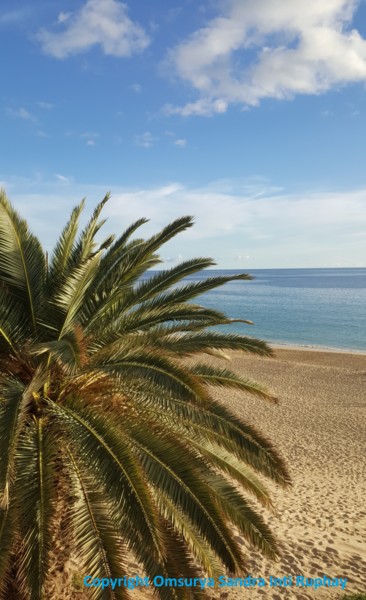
{"x": 247, "y": 114}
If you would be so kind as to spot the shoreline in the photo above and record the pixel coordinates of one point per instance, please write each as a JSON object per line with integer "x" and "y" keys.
{"x": 313, "y": 348}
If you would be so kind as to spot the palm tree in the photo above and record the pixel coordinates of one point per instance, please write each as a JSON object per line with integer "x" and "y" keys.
{"x": 101, "y": 411}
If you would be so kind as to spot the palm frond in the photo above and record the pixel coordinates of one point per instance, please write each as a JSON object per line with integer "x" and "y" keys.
{"x": 229, "y": 379}
{"x": 115, "y": 255}
{"x": 167, "y": 278}
{"x": 193, "y": 343}
{"x": 14, "y": 403}
{"x": 132, "y": 263}
{"x": 104, "y": 415}
{"x": 14, "y": 323}
{"x": 97, "y": 542}
{"x": 109, "y": 457}
{"x": 8, "y": 533}
{"x": 177, "y": 470}
{"x": 216, "y": 424}
{"x": 145, "y": 318}
{"x": 35, "y": 497}
{"x": 61, "y": 261}
{"x": 22, "y": 261}
{"x": 237, "y": 509}
{"x": 151, "y": 366}
{"x": 188, "y": 291}
{"x": 72, "y": 292}
{"x": 234, "y": 468}
{"x": 183, "y": 525}
{"x": 69, "y": 351}
{"x": 86, "y": 244}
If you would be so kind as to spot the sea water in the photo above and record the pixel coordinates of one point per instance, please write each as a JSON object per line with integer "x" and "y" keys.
{"x": 303, "y": 307}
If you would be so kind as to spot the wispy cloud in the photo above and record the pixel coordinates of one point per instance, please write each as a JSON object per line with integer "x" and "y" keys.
{"x": 45, "y": 105}
{"x": 90, "y": 137}
{"x": 145, "y": 140}
{"x": 43, "y": 134}
{"x": 327, "y": 113}
{"x": 180, "y": 142}
{"x": 62, "y": 17}
{"x": 20, "y": 113}
{"x": 98, "y": 22}
{"x": 63, "y": 178}
{"x": 136, "y": 87}
{"x": 258, "y": 49}
{"x": 235, "y": 221}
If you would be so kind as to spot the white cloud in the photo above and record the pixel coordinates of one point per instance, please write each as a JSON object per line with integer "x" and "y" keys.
{"x": 45, "y": 105}
{"x": 260, "y": 49}
{"x": 242, "y": 257}
{"x": 97, "y": 22}
{"x": 145, "y": 140}
{"x": 63, "y": 178}
{"x": 20, "y": 113}
{"x": 278, "y": 229}
{"x": 136, "y": 87}
{"x": 43, "y": 134}
{"x": 181, "y": 143}
{"x": 327, "y": 113}
{"x": 62, "y": 17}
{"x": 234, "y": 221}
{"x": 90, "y": 135}
{"x": 90, "y": 142}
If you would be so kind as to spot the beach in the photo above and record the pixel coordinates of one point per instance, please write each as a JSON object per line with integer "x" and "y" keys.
{"x": 319, "y": 426}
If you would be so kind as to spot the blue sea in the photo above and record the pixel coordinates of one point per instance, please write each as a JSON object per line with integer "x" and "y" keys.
{"x": 303, "y": 307}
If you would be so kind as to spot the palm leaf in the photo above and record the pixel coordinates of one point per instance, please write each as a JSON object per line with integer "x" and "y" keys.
{"x": 216, "y": 424}
{"x": 109, "y": 456}
{"x": 182, "y": 524}
{"x": 98, "y": 544}
{"x": 14, "y": 405}
{"x": 177, "y": 471}
{"x": 61, "y": 261}
{"x": 151, "y": 366}
{"x": 8, "y": 532}
{"x": 226, "y": 378}
{"x": 71, "y": 294}
{"x": 102, "y": 415}
{"x": 86, "y": 244}
{"x": 22, "y": 261}
{"x": 35, "y": 496}
{"x": 193, "y": 343}
{"x": 14, "y": 324}
{"x": 165, "y": 279}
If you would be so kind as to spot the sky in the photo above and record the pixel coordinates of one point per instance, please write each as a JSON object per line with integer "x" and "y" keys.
{"x": 247, "y": 114}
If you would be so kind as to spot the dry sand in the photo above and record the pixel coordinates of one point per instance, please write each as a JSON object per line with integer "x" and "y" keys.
{"x": 320, "y": 428}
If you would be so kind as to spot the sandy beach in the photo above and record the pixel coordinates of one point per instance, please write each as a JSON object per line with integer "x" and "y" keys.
{"x": 320, "y": 428}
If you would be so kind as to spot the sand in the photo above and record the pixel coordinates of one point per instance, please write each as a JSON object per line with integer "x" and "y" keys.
{"x": 320, "y": 428}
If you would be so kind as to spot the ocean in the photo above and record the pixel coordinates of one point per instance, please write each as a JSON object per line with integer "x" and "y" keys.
{"x": 303, "y": 307}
